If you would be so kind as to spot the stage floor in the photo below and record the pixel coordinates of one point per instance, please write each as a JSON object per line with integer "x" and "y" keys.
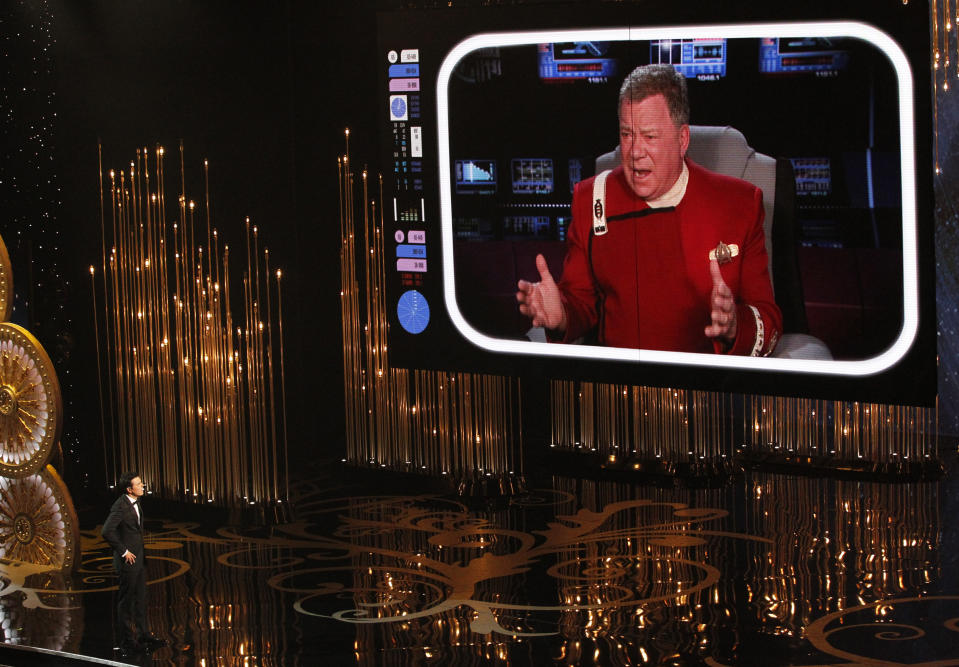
{"x": 766, "y": 569}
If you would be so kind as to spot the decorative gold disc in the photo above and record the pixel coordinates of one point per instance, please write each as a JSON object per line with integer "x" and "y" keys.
{"x": 30, "y": 405}
{"x": 38, "y": 524}
{"x": 6, "y": 283}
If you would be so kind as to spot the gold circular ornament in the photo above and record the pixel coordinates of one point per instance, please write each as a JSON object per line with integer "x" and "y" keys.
{"x": 38, "y": 524}
{"x": 6, "y": 283}
{"x": 23, "y": 529}
{"x": 8, "y": 400}
{"x": 30, "y": 405}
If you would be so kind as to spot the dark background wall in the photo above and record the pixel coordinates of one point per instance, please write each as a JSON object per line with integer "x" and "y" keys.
{"x": 264, "y": 91}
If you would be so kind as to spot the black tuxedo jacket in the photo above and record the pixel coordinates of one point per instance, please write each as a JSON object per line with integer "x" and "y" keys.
{"x": 124, "y": 532}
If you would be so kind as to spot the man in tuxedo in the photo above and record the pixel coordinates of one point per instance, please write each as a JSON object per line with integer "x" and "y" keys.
{"x": 123, "y": 530}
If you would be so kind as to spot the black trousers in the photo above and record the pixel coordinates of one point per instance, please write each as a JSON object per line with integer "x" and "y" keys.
{"x": 131, "y": 602}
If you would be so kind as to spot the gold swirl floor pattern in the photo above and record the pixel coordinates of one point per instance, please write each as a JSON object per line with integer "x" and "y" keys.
{"x": 767, "y": 570}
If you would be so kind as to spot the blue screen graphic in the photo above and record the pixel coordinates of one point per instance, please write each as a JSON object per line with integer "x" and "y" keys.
{"x": 475, "y": 177}
{"x": 702, "y": 59}
{"x": 413, "y": 311}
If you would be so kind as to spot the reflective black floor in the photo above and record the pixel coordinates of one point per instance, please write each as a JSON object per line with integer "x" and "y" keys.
{"x": 766, "y": 569}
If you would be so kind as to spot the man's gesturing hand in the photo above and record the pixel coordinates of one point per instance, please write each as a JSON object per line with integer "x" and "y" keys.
{"x": 541, "y": 301}
{"x": 722, "y": 305}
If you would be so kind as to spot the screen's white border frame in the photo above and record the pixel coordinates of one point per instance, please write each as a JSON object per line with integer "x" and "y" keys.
{"x": 910, "y": 261}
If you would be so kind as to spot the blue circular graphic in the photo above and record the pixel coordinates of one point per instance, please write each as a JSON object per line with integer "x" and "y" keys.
{"x": 413, "y": 311}
{"x": 398, "y": 105}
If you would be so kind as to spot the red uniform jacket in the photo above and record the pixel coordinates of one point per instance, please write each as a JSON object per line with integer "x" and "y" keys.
{"x": 646, "y": 283}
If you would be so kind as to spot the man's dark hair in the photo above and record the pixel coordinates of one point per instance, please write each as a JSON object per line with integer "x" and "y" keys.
{"x": 126, "y": 480}
{"x": 648, "y": 80}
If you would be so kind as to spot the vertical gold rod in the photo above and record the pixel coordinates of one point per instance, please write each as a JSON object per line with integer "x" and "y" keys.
{"x": 345, "y": 292}
{"x": 106, "y": 333}
{"x": 947, "y": 20}
{"x": 355, "y": 370}
{"x": 96, "y": 339}
{"x": 372, "y": 454}
{"x": 148, "y": 271}
{"x": 347, "y": 309}
{"x": 253, "y": 377}
{"x": 127, "y": 338}
{"x": 387, "y": 400}
{"x": 249, "y": 377}
{"x": 249, "y": 383}
{"x": 187, "y": 355}
{"x": 119, "y": 284}
{"x": 935, "y": 81}
{"x": 286, "y": 451}
{"x": 146, "y": 443}
{"x": 133, "y": 340}
{"x": 167, "y": 368}
{"x": 178, "y": 344}
{"x": 229, "y": 395}
{"x": 275, "y": 493}
{"x": 259, "y": 368}
{"x": 194, "y": 399}
{"x": 151, "y": 314}
{"x": 237, "y": 445}
{"x": 220, "y": 371}
{"x": 123, "y": 395}
{"x": 252, "y": 469}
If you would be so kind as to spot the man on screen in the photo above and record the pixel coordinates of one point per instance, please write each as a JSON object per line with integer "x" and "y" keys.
{"x": 661, "y": 253}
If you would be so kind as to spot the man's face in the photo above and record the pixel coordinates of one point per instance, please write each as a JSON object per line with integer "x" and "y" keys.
{"x": 136, "y": 487}
{"x": 652, "y": 146}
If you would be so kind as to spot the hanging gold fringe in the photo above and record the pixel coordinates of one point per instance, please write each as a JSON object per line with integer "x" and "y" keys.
{"x": 633, "y": 426}
{"x": 639, "y": 426}
{"x": 465, "y": 426}
{"x": 194, "y": 401}
{"x": 883, "y": 437}
{"x": 945, "y": 58}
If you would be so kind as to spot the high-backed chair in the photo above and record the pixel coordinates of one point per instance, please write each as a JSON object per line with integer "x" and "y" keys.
{"x": 724, "y": 150}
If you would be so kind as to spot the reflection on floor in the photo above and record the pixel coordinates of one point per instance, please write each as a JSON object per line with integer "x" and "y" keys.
{"x": 767, "y": 569}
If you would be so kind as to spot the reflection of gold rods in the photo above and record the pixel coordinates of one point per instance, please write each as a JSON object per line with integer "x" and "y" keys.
{"x": 887, "y": 434}
{"x": 621, "y": 423}
{"x": 459, "y": 424}
{"x": 883, "y": 541}
{"x": 195, "y": 393}
{"x": 636, "y": 560}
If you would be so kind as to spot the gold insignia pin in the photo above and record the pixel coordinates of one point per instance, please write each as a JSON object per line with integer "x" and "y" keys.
{"x": 724, "y": 253}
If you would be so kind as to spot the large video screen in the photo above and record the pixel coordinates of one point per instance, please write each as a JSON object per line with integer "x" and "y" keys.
{"x": 778, "y": 240}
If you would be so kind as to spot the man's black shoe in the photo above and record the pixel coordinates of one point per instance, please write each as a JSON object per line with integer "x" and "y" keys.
{"x": 129, "y": 649}
{"x": 151, "y": 643}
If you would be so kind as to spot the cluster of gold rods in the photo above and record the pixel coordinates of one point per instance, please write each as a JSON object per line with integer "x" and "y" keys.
{"x": 194, "y": 402}
{"x": 622, "y": 423}
{"x": 441, "y": 423}
{"x": 945, "y": 20}
{"x": 845, "y": 431}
